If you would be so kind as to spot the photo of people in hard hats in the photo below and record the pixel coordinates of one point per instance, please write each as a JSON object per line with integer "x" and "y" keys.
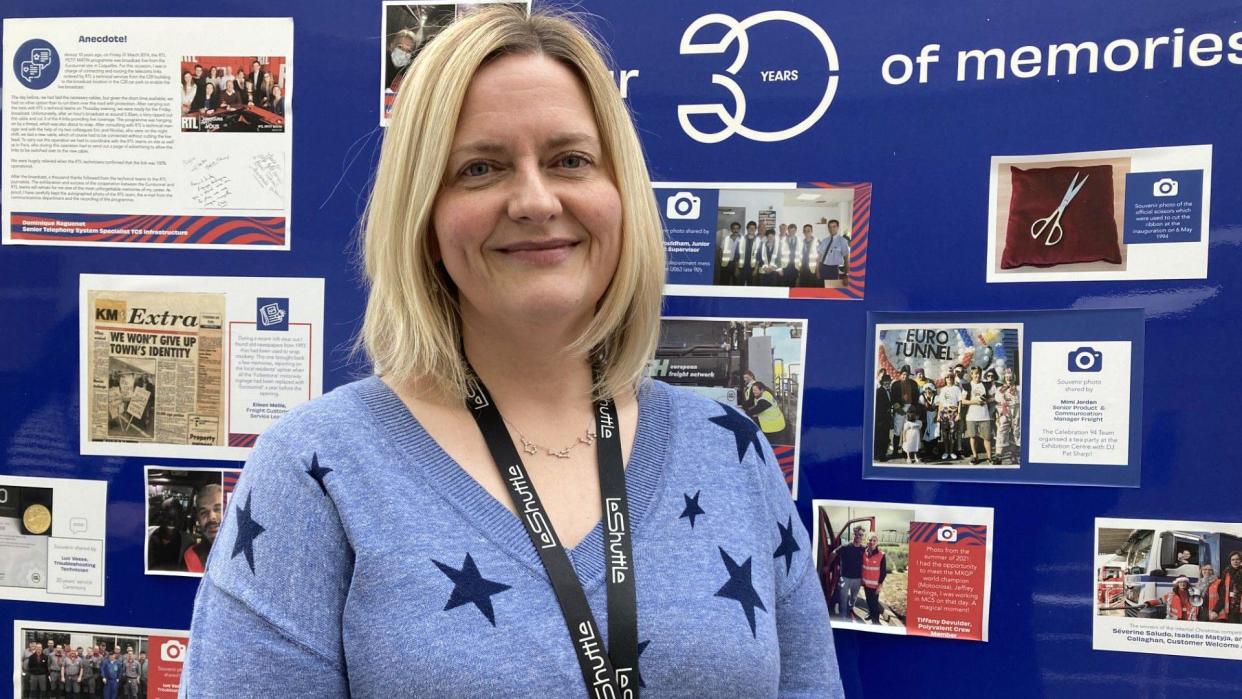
{"x": 1170, "y": 587}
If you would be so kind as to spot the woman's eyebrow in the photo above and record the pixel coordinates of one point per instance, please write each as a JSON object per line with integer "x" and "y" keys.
{"x": 490, "y": 147}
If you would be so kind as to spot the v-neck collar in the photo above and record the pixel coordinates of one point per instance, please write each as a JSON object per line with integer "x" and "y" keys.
{"x": 644, "y": 476}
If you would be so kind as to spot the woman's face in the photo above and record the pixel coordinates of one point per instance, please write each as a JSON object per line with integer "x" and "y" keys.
{"x": 528, "y": 219}
{"x": 756, "y": 390}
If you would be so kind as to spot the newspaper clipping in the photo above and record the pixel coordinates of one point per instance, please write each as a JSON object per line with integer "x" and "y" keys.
{"x": 154, "y": 132}
{"x": 156, "y": 364}
{"x": 194, "y": 367}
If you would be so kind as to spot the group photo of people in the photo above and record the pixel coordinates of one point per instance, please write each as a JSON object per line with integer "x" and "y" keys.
{"x": 233, "y": 93}
{"x": 863, "y": 557}
{"x": 408, "y": 26}
{"x": 753, "y": 365}
{"x": 784, "y": 238}
{"x": 184, "y": 513}
{"x": 948, "y": 396}
{"x": 1179, "y": 573}
{"x": 61, "y": 665}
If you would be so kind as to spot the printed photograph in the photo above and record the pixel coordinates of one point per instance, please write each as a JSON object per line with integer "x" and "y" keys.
{"x": 904, "y": 569}
{"x": 131, "y": 398}
{"x": 52, "y": 540}
{"x": 1064, "y": 214}
{"x": 25, "y": 528}
{"x": 1127, "y": 214}
{"x": 80, "y": 660}
{"x": 1181, "y": 574}
{"x": 753, "y": 365}
{"x": 863, "y": 561}
{"x": 948, "y": 395}
{"x": 784, "y": 238}
{"x": 185, "y": 508}
{"x": 233, "y": 94}
{"x": 1168, "y": 587}
{"x": 407, "y": 28}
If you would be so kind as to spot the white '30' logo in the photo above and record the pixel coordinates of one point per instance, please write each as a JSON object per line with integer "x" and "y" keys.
{"x": 737, "y": 33}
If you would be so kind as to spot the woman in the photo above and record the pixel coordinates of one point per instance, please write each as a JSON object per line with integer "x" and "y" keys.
{"x": 266, "y": 91}
{"x": 210, "y": 101}
{"x": 278, "y": 101}
{"x": 1008, "y": 419}
{"x": 1180, "y": 607}
{"x": 189, "y": 91}
{"x": 978, "y": 416}
{"x": 514, "y": 254}
{"x": 765, "y": 412}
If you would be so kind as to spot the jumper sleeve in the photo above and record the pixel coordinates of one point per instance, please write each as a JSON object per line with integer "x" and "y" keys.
{"x": 275, "y": 587}
{"x": 808, "y": 656}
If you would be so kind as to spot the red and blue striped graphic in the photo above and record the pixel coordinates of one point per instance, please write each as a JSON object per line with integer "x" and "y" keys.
{"x": 242, "y": 440}
{"x": 856, "y": 279}
{"x": 785, "y": 457}
{"x": 122, "y": 229}
{"x": 967, "y": 534}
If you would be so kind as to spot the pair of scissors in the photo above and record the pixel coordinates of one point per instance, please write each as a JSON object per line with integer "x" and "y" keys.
{"x": 1051, "y": 224}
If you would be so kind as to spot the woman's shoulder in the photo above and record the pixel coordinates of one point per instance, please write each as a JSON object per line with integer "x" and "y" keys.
{"x": 334, "y": 415}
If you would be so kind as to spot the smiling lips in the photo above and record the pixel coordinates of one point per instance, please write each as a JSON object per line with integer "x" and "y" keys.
{"x": 549, "y": 251}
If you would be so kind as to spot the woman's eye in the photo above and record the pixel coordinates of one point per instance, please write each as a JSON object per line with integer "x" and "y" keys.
{"x": 476, "y": 169}
{"x": 574, "y": 161}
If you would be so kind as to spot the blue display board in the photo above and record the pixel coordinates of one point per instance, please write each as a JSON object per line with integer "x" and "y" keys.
{"x": 916, "y": 99}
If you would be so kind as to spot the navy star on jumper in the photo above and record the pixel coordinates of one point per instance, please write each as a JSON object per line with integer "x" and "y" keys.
{"x": 740, "y": 588}
{"x": 692, "y": 508}
{"x": 788, "y": 545}
{"x": 745, "y": 431}
{"x": 247, "y": 531}
{"x": 318, "y": 473}
{"x": 642, "y": 647}
{"x": 470, "y": 587}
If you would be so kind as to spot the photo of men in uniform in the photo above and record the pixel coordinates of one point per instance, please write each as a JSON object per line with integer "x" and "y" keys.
{"x": 784, "y": 238}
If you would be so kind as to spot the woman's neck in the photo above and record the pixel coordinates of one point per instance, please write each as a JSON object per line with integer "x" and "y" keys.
{"x": 529, "y": 369}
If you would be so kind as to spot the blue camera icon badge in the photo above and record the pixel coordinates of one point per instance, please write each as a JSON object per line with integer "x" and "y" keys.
{"x": 1085, "y": 359}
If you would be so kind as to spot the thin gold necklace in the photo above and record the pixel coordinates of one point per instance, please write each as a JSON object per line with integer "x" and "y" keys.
{"x": 533, "y": 448}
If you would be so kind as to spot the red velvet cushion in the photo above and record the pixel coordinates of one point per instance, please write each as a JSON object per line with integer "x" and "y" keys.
{"x": 1089, "y": 229}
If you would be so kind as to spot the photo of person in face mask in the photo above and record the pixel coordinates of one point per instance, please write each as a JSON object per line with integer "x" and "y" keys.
{"x": 400, "y": 54}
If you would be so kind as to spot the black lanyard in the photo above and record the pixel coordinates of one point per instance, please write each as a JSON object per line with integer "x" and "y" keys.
{"x": 608, "y": 672}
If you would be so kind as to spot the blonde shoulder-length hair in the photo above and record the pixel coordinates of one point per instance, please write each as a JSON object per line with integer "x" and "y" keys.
{"x": 412, "y": 326}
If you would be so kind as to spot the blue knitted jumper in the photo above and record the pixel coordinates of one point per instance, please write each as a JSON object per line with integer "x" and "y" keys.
{"x": 358, "y": 559}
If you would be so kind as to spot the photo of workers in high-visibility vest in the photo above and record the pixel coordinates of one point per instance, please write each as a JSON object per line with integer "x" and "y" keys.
{"x": 1169, "y": 587}
{"x": 918, "y": 570}
{"x": 752, "y": 365}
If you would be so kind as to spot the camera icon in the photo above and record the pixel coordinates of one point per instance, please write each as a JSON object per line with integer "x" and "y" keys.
{"x": 1164, "y": 187}
{"x": 946, "y": 534}
{"x": 682, "y": 205}
{"x": 1087, "y": 359}
{"x": 172, "y": 651}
